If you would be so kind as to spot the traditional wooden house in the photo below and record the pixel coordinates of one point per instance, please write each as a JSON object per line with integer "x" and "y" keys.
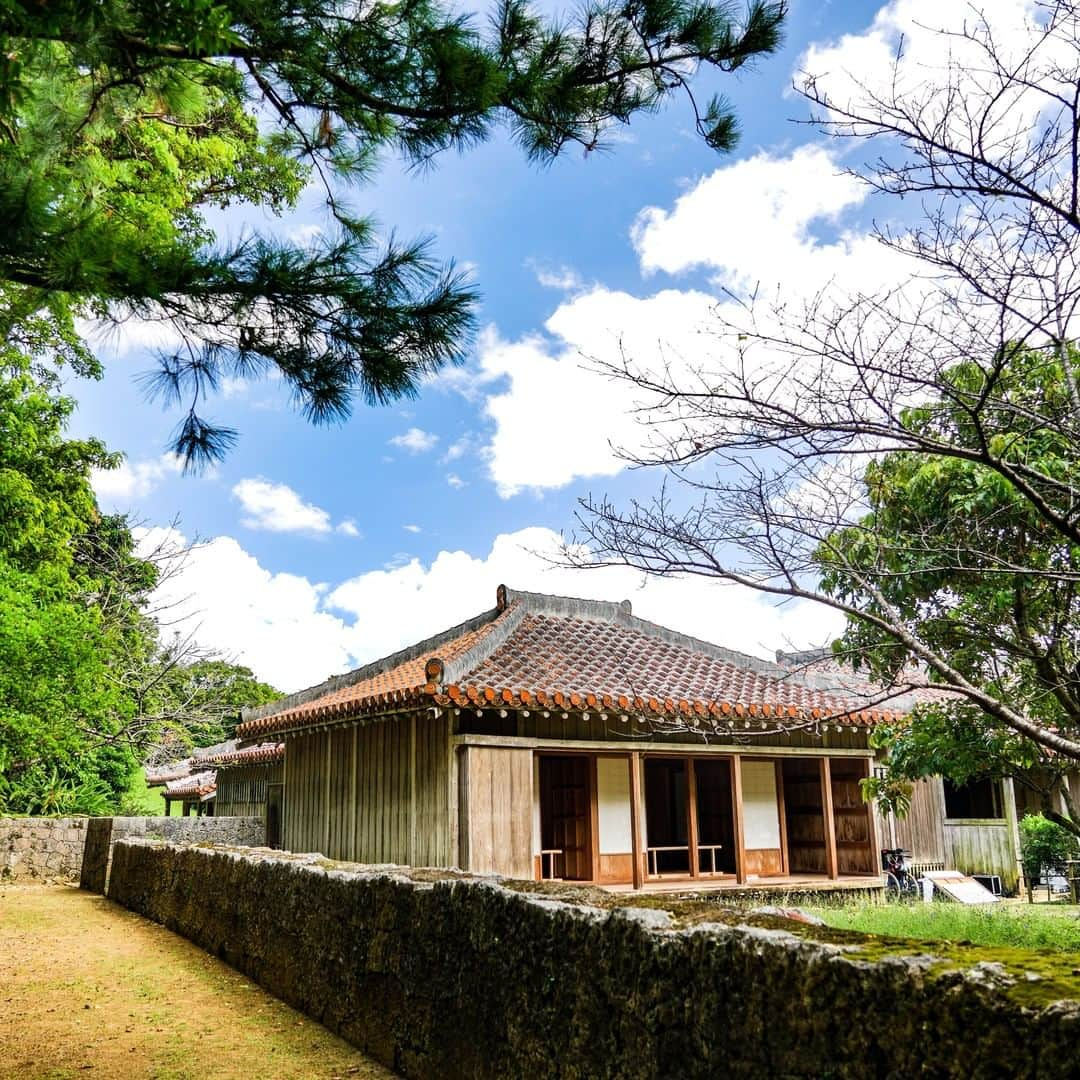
{"x": 973, "y": 828}
{"x": 560, "y": 738}
{"x": 249, "y": 784}
{"x": 195, "y": 794}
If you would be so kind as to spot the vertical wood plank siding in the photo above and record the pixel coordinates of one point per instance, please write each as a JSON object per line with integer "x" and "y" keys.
{"x": 362, "y": 793}
{"x": 241, "y": 792}
{"x": 983, "y": 848}
{"x": 922, "y": 831}
{"x": 497, "y": 810}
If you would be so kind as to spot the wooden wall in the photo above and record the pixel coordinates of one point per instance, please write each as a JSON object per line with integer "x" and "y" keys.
{"x": 496, "y": 806}
{"x": 575, "y": 727}
{"x": 922, "y": 831}
{"x": 376, "y": 792}
{"x": 855, "y": 849}
{"x": 984, "y": 848}
{"x": 241, "y": 790}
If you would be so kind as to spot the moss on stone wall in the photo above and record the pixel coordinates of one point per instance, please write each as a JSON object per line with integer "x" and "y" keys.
{"x": 439, "y": 975}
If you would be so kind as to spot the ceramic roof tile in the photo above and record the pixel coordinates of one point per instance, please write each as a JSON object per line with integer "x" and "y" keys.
{"x": 573, "y": 653}
{"x": 263, "y": 753}
{"x": 197, "y": 786}
{"x": 156, "y": 775}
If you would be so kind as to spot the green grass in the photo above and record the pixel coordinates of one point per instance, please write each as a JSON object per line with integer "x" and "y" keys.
{"x": 146, "y": 800}
{"x": 1021, "y": 926}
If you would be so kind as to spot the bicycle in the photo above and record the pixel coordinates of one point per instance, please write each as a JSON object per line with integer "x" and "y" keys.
{"x": 900, "y": 882}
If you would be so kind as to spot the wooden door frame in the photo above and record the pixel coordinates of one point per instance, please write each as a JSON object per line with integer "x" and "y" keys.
{"x": 832, "y": 868}
{"x": 592, "y": 813}
{"x": 692, "y": 824}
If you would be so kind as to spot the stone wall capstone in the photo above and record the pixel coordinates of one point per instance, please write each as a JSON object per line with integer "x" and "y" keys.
{"x": 442, "y": 975}
{"x": 41, "y": 849}
{"x": 103, "y": 833}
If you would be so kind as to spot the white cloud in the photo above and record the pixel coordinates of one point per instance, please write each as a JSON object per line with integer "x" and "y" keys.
{"x": 293, "y": 632}
{"x": 277, "y": 508}
{"x": 565, "y": 278}
{"x": 134, "y": 479}
{"x": 412, "y": 528}
{"x": 793, "y": 224}
{"x": 783, "y": 203}
{"x": 455, "y": 481}
{"x": 395, "y": 607}
{"x": 274, "y": 623}
{"x": 862, "y": 65}
{"x": 556, "y": 378}
{"x": 129, "y": 335}
{"x": 349, "y": 528}
{"x": 457, "y": 449}
{"x": 415, "y": 440}
{"x": 306, "y": 235}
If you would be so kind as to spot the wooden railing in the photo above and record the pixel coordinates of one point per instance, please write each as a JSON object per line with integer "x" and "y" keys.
{"x": 652, "y": 860}
{"x": 548, "y": 870}
{"x": 712, "y": 849}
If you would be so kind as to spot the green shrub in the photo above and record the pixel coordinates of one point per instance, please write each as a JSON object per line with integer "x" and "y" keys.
{"x": 1045, "y": 847}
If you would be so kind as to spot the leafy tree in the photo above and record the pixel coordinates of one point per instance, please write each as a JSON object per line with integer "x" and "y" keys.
{"x": 956, "y": 550}
{"x": 59, "y": 704}
{"x": 87, "y": 686}
{"x": 1045, "y": 848}
{"x": 909, "y": 458}
{"x": 201, "y": 701}
{"x": 124, "y": 123}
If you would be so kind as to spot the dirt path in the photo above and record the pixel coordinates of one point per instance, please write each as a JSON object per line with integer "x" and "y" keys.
{"x": 88, "y": 989}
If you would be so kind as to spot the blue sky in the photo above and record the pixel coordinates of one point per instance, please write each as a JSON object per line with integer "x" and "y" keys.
{"x": 405, "y": 519}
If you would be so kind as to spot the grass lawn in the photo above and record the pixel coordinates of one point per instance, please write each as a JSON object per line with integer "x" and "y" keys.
{"x": 148, "y": 800}
{"x": 1012, "y": 925}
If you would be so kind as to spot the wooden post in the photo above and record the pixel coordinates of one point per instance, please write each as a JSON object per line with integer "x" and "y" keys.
{"x": 1008, "y": 796}
{"x": 412, "y": 790}
{"x": 354, "y": 752}
{"x": 594, "y": 815}
{"x": 282, "y": 835}
{"x": 781, "y": 810}
{"x": 737, "y": 817}
{"x": 692, "y": 819}
{"x": 831, "y": 865}
{"x": 636, "y": 815}
{"x": 326, "y": 792}
{"x": 871, "y": 821}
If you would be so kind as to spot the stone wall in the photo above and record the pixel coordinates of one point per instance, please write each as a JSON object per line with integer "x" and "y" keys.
{"x": 103, "y": 833}
{"x": 441, "y": 975}
{"x": 80, "y": 848}
{"x": 41, "y": 849}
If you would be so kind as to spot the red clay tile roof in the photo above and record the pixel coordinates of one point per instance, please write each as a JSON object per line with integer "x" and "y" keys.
{"x": 197, "y": 786}
{"x": 158, "y": 775}
{"x": 538, "y": 651}
{"x": 263, "y": 753}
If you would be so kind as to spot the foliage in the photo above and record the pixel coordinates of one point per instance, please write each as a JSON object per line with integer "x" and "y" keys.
{"x": 907, "y": 457}
{"x": 87, "y": 687}
{"x": 1045, "y": 846}
{"x": 122, "y": 124}
{"x": 206, "y": 697}
{"x": 992, "y": 925}
{"x": 956, "y": 550}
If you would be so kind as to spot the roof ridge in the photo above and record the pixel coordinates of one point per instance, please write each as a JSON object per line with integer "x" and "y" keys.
{"x": 473, "y": 657}
{"x": 622, "y": 612}
{"x": 371, "y": 669}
